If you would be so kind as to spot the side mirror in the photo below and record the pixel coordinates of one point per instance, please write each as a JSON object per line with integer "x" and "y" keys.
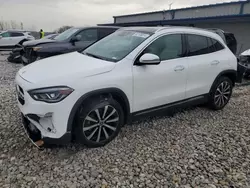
{"x": 76, "y": 38}
{"x": 149, "y": 59}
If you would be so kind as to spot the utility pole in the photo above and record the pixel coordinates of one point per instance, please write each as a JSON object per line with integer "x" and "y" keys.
{"x": 170, "y": 5}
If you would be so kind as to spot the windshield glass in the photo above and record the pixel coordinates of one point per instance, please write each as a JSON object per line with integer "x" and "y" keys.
{"x": 66, "y": 34}
{"x": 117, "y": 45}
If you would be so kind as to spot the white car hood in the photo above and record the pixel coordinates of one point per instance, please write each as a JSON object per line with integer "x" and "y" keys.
{"x": 64, "y": 67}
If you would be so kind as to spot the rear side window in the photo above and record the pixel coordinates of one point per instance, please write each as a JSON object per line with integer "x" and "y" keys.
{"x": 197, "y": 45}
{"x": 15, "y": 34}
{"x": 217, "y": 45}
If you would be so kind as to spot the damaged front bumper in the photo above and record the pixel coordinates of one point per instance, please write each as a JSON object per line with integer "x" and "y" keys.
{"x": 36, "y": 137}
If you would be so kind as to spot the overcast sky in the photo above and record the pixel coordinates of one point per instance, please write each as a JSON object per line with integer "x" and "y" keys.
{"x": 51, "y": 14}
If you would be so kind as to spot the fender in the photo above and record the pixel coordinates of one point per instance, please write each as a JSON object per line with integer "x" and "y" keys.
{"x": 78, "y": 103}
{"x": 225, "y": 72}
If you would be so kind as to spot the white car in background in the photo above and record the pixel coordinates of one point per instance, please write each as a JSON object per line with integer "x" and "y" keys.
{"x": 10, "y": 38}
{"x": 131, "y": 73}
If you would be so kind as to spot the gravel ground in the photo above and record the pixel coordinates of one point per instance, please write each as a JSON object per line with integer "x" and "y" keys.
{"x": 196, "y": 148}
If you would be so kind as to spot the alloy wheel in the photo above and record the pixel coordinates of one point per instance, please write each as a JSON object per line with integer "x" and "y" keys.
{"x": 101, "y": 123}
{"x": 222, "y": 94}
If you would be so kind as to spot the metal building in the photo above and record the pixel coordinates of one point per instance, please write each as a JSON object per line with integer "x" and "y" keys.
{"x": 232, "y": 17}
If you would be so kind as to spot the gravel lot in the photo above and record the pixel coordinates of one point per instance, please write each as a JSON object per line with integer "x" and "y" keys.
{"x": 196, "y": 148}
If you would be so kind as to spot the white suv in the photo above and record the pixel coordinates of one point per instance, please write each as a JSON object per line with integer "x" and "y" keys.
{"x": 12, "y": 37}
{"x": 87, "y": 97}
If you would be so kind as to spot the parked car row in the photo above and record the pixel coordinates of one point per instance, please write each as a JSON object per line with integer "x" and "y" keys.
{"x": 86, "y": 96}
{"x": 9, "y": 38}
{"x": 16, "y": 54}
{"x": 73, "y": 39}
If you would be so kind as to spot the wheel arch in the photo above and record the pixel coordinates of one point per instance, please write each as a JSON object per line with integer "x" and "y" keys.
{"x": 22, "y": 41}
{"x": 231, "y": 74}
{"x": 116, "y": 93}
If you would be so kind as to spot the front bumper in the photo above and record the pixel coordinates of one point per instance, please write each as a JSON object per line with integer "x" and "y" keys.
{"x": 35, "y": 136}
{"x": 241, "y": 70}
{"x": 51, "y": 120}
{"x": 28, "y": 56}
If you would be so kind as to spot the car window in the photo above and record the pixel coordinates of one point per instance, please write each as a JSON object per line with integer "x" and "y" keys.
{"x": 6, "y": 34}
{"x": 217, "y": 45}
{"x": 211, "y": 46}
{"x": 198, "y": 45}
{"x": 15, "y": 34}
{"x": 166, "y": 47}
{"x": 66, "y": 34}
{"x": 89, "y": 35}
{"x": 117, "y": 45}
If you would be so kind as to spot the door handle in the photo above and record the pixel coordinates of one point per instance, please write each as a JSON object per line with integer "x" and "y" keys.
{"x": 215, "y": 62}
{"x": 179, "y": 68}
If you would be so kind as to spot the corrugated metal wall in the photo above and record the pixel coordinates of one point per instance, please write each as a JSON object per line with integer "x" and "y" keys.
{"x": 246, "y": 9}
{"x": 142, "y": 18}
{"x": 196, "y": 12}
{"x": 208, "y": 12}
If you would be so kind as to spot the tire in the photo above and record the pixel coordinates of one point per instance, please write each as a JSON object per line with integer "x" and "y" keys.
{"x": 220, "y": 93}
{"x": 94, "y": 131}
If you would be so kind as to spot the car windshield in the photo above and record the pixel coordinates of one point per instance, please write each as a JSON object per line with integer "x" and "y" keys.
{"x": 66, "y": 34}
{"x": 117, "y": 45}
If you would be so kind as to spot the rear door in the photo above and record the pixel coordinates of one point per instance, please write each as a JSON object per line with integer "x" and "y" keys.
{"x": 16, "y": 37}
{"x": 204, "y": 63}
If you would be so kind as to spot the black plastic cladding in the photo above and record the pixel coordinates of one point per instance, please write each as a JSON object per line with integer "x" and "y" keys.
{"x": 114, "y": 91}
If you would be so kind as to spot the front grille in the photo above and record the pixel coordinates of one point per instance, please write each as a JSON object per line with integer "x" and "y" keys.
{"x": 33, "y": 133}
{"x": 20, "y": 94}
{"x": 27, "y": 52}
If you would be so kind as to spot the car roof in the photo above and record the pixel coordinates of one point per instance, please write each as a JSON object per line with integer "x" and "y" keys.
{"x": 89, "y": 27}
{"x": 14, "y": 30}
{"x": 158, "y": 29}
{"x": 143, "y": 29}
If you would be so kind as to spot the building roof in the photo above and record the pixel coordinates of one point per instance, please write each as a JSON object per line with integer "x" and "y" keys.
{"x": 186, "y": 8}
{"x": 227, "y": 12}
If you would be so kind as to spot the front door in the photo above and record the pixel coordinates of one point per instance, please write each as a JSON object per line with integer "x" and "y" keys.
{"x": 87, "y": 37}
{"x": 156, "y": 85}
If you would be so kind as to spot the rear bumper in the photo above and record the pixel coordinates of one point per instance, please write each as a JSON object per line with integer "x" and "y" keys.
{"x": 241, "y": 70}
{"x": 38, "y": 140}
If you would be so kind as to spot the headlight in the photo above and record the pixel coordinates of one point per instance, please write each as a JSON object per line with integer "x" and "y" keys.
{"x": 51, "y": 94}
{"x": 36, "y": 48}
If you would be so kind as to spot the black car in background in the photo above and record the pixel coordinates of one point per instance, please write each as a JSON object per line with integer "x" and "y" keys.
{"x": 15, "y": 56}
{"x": 73, "y": 39}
